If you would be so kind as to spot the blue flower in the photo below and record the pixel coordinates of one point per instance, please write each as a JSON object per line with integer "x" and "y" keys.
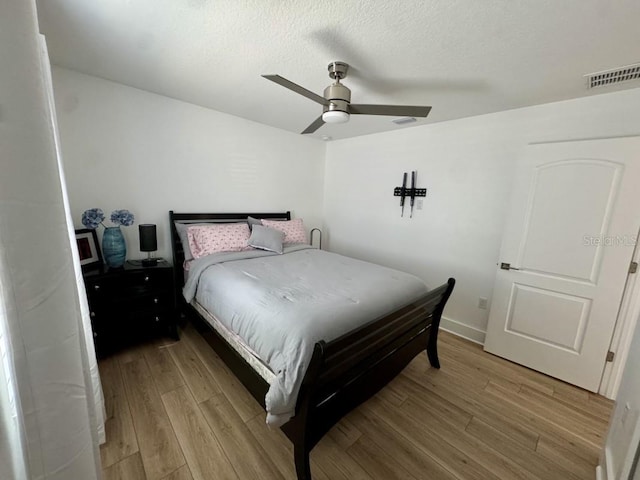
{"x": 92, "y": 218}
{"x": 122, "y": 217}
{"x": 95, "y": 216}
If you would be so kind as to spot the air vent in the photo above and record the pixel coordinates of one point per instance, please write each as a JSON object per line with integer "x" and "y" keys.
{"x": 611, "y": 77}
{"x": 403, "y": 120}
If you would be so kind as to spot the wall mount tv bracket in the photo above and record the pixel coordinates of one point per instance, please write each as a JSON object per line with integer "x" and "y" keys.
{"x": 420, "y": 192}
{"x": 412, "y": 192}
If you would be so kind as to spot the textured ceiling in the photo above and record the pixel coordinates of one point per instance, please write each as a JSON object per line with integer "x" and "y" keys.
{"x": 463, "y": 57}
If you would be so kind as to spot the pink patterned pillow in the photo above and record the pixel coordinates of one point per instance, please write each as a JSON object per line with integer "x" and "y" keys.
{"x": 222, "y": 237}
{"x": 293, "y": 230}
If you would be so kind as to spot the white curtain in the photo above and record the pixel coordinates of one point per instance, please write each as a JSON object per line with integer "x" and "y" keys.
{"x": 50, "y": 398}
{"x": 90, "y": 364}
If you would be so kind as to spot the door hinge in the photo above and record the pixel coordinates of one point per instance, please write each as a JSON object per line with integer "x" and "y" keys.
{"x": 633, "y": 268}
{"x": 610, "y": 356}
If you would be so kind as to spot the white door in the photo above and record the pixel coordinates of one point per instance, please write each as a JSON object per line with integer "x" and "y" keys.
{"x": 574, "y": 217}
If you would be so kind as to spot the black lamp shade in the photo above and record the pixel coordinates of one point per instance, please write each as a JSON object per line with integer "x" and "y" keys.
{"x": 148, "y": 239}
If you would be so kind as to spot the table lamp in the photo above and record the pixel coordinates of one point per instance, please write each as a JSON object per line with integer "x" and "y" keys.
{"x": 148, "y": 243}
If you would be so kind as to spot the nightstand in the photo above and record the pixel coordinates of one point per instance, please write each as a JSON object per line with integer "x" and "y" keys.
{"x": 130, "y": 304}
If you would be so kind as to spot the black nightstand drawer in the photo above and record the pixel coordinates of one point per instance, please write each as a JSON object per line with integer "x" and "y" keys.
{"x": 133, "y": 284}
{"x": 155, "y": 300}
{"x": 130, "y": 304}
{"x": 158, "y": 299}
{"x": 100, "y": 289}
{"x": 152, "y": 319}
{"x": 143, "y": 282}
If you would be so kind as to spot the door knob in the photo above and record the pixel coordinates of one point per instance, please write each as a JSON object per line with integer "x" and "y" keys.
{"x": 507, "y": 266}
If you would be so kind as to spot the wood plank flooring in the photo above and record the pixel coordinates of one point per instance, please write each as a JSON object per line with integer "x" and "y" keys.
{"x": 175, "y": 412}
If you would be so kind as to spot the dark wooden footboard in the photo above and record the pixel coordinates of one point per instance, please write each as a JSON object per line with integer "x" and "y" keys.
{"x": 344, "y": 372}
{"x": 349, "y": 370}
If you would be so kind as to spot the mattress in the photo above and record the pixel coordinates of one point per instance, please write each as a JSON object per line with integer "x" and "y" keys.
{"x": 281, "y": 305}
{"x": 236, "y": 343}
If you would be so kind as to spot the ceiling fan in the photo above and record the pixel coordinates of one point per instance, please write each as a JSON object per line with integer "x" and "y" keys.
{"x": 336, "y": 102}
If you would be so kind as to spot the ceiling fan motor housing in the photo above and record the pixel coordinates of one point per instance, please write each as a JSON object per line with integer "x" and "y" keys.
{"x": 338, "y": 96}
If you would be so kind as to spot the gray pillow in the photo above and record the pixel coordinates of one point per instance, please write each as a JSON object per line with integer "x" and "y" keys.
{"x": 253, "y": 221}
{"x": 266, "y": 238}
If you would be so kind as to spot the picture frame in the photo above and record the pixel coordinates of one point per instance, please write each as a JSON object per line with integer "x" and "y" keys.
{"x": 88, "y": 249}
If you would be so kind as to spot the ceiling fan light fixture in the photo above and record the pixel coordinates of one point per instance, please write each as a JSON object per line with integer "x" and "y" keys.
{"x": 335, "y": 116}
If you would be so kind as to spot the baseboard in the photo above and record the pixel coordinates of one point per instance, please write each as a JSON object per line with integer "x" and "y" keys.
{"x": 460, "y": 329}
{"x": 604, "y": 471}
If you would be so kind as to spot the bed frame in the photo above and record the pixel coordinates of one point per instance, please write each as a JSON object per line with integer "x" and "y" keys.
{"x": 344, "y": 372}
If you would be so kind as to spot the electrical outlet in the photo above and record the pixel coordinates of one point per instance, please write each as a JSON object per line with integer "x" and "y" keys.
{"x": 419, "y": 203}
{"x": 482, "y": 303}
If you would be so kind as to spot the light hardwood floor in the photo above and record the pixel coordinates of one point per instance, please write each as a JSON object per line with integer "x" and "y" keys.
{"x": 175, "y": 412}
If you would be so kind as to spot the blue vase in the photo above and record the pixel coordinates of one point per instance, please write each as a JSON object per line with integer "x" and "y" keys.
{"x": 114, "y": 247}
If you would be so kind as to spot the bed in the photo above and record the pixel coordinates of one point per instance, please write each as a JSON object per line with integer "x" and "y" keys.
{"x": 338, "y": 371}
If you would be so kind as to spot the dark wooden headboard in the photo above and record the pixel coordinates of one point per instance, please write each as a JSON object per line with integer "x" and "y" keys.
{"x": 176, "y": 245}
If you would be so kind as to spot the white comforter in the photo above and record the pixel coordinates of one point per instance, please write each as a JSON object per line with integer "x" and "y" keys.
{"x": 281, "y": 305}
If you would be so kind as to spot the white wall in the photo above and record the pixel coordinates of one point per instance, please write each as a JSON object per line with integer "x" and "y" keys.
{"x": 624, "y": 429}
{"x": 127, "y": 148}
{"x": 467, "y": 166}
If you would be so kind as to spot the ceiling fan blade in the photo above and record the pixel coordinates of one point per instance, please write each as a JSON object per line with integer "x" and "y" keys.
{"x": 296, "y": 88}
{"x": 392, "y": 110}
{"x": 317, "y": 123}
